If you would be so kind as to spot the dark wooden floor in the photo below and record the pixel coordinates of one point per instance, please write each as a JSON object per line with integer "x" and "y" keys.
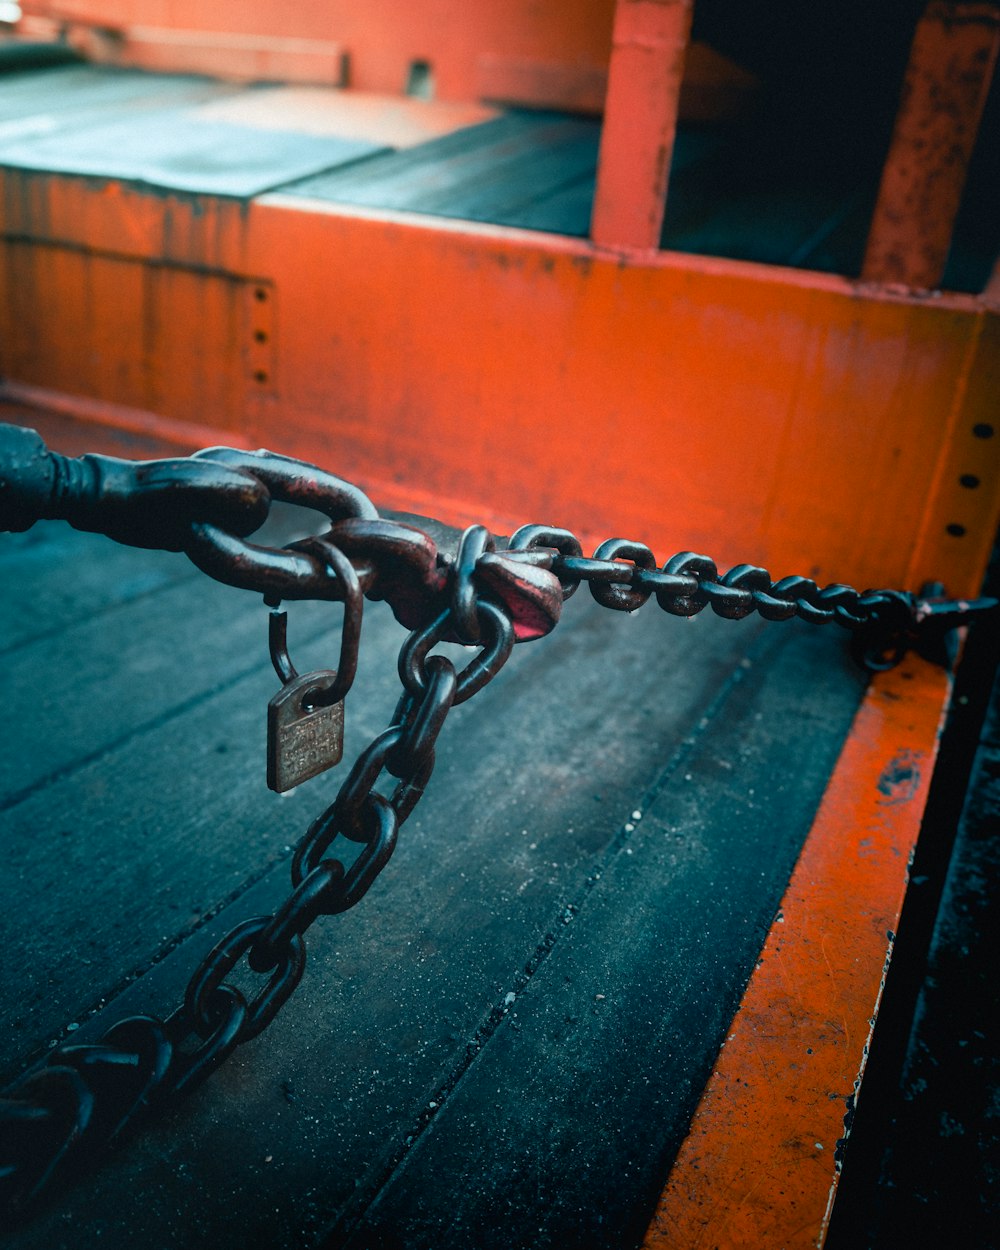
{"x": 503, "y": 1043}
{"x": 537, "y": 171}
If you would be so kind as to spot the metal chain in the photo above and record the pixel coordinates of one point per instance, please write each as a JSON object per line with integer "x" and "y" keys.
{"x": 208, "y": 504}
{"x": 85, "y": 1096}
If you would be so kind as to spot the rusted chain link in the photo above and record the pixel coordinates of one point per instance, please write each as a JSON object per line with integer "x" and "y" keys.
{"x": 85, "y": 1096}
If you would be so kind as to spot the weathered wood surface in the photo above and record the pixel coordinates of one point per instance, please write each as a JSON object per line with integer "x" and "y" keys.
{"x": 147, "y": 128}
{"x": 492, "y": 172}
{"x": 537, "y": 171}
{"x": 554, "y": 974}
{"x": 62, "y": 580}
{"x": 41, "y": 101}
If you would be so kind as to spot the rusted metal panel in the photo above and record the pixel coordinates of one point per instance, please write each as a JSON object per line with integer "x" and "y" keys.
{"x": 746, "y": 407}
{"x": 951, "y": 66}
{"x": 124, "y": 339}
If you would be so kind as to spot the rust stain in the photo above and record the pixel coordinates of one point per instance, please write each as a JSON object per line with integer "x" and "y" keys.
{"x": 899, "y": 781}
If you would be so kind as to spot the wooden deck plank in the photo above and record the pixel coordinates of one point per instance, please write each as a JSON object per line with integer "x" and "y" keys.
{"x": 536, "y": 779}
{"x": 532, "y": 177}
{"x": 565, "y": 210}
{"x": 772, "y": 225}
{"x": 134, "y": 634}
{"x": 79, "y": 801}
{"x": 64, "y": 577}
{"x": 387, "y": 180}
{"x": 150, "y": 129}
{"x": 132, "y": 847}
{"x": 75, "y": 694}
{"x": 562, "y": 1132}
{"x": 475, "y": 173}
{"x": 40, "y": 102}
{"x": 175, "y": 149}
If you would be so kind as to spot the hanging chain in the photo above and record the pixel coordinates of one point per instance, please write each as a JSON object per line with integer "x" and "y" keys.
{"x": 85, "y": 1096}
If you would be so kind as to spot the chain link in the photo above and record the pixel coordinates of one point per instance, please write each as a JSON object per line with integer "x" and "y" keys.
{"x": 84, "y": 1097}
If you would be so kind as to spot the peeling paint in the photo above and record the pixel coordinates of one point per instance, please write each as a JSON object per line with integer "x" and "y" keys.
{"x": 900, "y": 779}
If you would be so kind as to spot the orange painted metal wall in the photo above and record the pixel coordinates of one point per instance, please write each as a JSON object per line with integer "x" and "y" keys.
{"x": 797, "y": 420}
{"x": 552, "y": 53}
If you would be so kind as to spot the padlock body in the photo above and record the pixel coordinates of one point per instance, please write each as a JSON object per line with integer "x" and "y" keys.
{"x": 303, "y": 738}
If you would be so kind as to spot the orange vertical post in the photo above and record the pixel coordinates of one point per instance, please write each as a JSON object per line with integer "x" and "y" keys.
{"x": 951, "y": 65}
{"x": 640, "y": 119}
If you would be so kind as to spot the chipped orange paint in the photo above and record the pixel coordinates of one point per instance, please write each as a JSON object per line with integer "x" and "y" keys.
{"x": 950, "y": 69}
{"x": 761, "y": 1161}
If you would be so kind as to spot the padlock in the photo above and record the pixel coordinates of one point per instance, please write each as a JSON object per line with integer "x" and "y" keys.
{"x": 305, "y": 736}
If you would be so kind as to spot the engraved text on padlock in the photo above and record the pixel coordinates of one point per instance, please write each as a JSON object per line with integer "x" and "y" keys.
{"x": 303, "y": 738}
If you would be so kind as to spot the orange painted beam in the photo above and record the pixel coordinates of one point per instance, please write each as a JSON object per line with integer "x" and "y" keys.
{"x": 761, "y": 1161}
{"x": 240, "y": 57}
{"x": 959, "y": 519}
{"x": 640, "y": 121}
{"x": 951, "y": 66}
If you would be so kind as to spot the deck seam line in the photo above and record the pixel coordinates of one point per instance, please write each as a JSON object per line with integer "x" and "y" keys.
{"x": 349, "y": 1221}
{"x": 107, "y": 1000}
{"x": 96, "y": 614}
{"x": 14, "y": 799}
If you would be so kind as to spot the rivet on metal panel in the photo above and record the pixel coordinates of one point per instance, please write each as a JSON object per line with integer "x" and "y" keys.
{"x": 259, "y": 335}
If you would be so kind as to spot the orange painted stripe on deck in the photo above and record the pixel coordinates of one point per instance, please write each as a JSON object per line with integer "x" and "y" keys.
{"x": 760, "y": 1164}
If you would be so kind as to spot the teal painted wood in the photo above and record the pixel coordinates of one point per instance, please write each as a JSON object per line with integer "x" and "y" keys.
{"x": 517, "y": 875}
{"x": 147, "y": 129}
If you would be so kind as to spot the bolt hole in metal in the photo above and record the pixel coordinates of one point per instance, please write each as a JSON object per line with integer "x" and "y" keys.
{"x": 983, "y": 430}
{"x": 260, "y": 336}
{"x": 260, "y": 294}
{"x": 259, "y": 375}
{"x": 420, "y": 80}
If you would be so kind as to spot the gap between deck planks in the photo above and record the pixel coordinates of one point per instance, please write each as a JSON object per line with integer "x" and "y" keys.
{"x": 307, "y": 1129}
{"x": 62, "y": 579}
